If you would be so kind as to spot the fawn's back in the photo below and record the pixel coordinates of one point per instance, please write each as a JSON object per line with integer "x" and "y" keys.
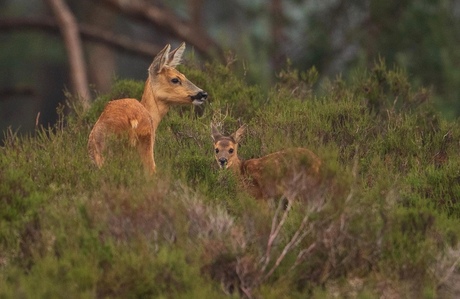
{"x": 291, "y": 172}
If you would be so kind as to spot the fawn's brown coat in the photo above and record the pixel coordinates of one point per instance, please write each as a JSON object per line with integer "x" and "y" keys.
{"x": 291, "y": 172}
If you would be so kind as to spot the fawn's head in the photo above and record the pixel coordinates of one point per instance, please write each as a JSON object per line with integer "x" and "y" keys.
{"x": 226, "y": 147}
{"x": 170, "y": 85}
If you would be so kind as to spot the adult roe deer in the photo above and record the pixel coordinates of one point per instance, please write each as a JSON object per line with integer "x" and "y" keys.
{"x": 165, "y": 86}
{"x": 291, "y": 172}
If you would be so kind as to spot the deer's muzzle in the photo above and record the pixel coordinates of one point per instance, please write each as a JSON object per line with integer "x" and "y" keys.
{"x": 199, "y": 98}
{"x": 223, "y": 162}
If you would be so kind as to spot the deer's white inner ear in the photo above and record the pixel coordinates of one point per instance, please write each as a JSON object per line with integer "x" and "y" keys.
{"x": 175, "y": 56}
{"x": 159, "y": 61}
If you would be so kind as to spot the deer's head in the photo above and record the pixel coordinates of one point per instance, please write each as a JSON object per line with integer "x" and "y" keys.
{"x": 226, "y": 147}
{"x": 170, "y": 85}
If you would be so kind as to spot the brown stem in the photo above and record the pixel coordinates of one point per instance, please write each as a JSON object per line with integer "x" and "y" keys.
{"x": 275, "y": 230}
{"x": 297, "y": 237}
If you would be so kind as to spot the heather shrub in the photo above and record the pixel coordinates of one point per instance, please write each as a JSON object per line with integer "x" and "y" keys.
{"x": 383, "y": 222}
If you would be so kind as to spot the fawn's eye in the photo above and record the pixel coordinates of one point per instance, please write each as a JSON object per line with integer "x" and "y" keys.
{"x": 175, "y": 80}
{"x": 230, "y": 151}
{"x": 217, "y": 150}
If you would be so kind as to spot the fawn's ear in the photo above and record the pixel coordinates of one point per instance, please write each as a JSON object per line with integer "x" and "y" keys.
{"x": 215, "y": 134}
{"x": 238, "y": 135}
{"x": 159, "y": 61}
{"x": 175, "y": 56}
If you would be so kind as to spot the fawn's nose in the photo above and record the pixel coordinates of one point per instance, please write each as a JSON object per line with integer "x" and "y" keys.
{"x": 222, "y": 161}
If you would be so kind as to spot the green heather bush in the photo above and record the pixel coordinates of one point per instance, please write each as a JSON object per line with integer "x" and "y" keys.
{"x": 384, "y": 222}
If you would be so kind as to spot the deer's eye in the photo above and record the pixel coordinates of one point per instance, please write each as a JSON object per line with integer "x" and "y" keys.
{"x": 217, "y": 150}
{"x": 230, "y": 151}
{"x": 175, "y": 80}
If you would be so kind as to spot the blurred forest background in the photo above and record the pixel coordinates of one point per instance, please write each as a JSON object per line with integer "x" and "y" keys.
{"x": 50, "y": 47}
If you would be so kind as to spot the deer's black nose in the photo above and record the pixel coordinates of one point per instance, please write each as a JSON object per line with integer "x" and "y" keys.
{"x": 202, "y": 95}
{"x": 222, "y": 161}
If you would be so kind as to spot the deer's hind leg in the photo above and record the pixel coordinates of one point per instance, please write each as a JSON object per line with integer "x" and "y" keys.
{"x": 132, "y": 134}
{"x": 96, "y": 144}
{"x": 145, "y": 149}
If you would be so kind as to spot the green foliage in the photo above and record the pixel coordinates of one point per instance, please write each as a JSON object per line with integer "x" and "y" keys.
{"x": 433, "y": 25}
{"x": 229, "y": 94}
{"x": 419, "y": 35}
{"x": 384, "y": 219}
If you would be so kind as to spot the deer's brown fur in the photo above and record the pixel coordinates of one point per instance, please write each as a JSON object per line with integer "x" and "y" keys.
{"x": 165, "y": 87}
{"x": 291, "y": 172}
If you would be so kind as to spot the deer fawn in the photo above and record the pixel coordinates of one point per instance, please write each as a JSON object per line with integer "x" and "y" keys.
{"x": 290, "y": 173}
{"x": 165, "y": 86}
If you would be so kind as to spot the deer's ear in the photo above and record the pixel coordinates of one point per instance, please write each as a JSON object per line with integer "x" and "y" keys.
{"x": 215, "y": 134}
{"x": 159, "y": 61}
{"x": 238, "y": 135}
{"x": 175, "y": 56}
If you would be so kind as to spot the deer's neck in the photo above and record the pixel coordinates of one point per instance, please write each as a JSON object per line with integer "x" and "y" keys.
{"x": 154, "y": 106}
{"x": 237, "y": 166}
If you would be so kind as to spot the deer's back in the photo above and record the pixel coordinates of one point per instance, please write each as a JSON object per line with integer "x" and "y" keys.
{"x": 126, "y": 114}
{"x": 293, "y": 170}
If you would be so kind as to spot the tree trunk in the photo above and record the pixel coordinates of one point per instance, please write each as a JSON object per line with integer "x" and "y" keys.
{"x": 102, "y": 63}
{"x": 195, "y": 8}
{"x": 69, "y": 30}
{"x": 278, "y": 38}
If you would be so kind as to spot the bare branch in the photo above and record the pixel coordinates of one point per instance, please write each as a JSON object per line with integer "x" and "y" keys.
{"x": 87, "y": 32}
{"x": 302, "y": 254}
{"x": 275, "y": 230}
{"x": 448, "y": 272}
{"x": 167, "y": 21}
{"x": 69, "y": 30}
{"x": 6, "y": 93}
{"x": 298, "y": 236}
{"x": 354, "y": 173}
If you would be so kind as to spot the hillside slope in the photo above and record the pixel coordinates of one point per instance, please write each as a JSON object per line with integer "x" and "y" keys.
{"x": 385, "y": 221}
